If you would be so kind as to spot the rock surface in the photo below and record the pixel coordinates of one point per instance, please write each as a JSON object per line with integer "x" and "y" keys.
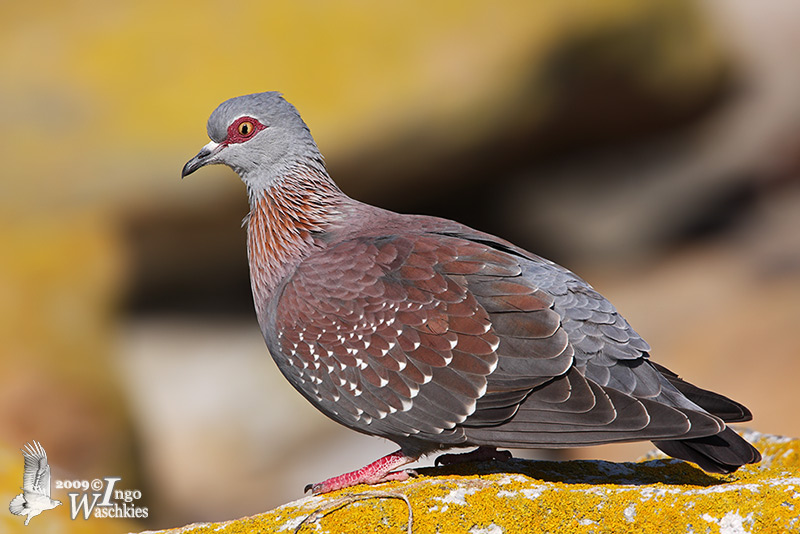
{"x": 656, "y": 494}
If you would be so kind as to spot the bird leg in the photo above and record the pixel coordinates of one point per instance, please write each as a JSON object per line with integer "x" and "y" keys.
{"x": 481, "y": 454}
{"x": 381, "y": 470}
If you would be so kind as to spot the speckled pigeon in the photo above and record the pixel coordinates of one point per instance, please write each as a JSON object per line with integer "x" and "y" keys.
{"x": 433, "y": 335}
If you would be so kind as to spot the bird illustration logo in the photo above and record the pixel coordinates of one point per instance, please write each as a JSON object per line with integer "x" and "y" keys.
{"x": 35, "y": 496}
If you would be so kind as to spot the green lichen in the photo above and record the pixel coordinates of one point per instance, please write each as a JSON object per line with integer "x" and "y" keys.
{"x": 523, "y": 496}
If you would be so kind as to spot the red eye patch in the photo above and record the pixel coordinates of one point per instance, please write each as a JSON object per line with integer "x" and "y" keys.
{"x": 243, "y": 129}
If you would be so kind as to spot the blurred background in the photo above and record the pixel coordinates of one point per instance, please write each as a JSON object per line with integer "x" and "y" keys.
{"x": 651, "y": 147}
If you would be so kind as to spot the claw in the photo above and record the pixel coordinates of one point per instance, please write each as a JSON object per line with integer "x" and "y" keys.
{"x": 375, "y": 473}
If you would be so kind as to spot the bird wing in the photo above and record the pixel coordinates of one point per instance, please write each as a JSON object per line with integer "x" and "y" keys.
{"x": 383, "y": 335}
{"x": 36, "y": 477}
{"x": 611, "y": 392}
{"x": 458, "y": 339}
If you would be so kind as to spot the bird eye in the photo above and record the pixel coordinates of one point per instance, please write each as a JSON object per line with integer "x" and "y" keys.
{"x": 246, "y": 128}
{"x": 242, "y": 129}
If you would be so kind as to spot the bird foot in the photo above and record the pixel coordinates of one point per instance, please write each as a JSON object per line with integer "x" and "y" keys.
{"x": 381, "y": 470}
{"x": 481, "y": 454}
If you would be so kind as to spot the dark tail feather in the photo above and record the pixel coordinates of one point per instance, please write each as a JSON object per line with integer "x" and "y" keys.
{"x": 726, "y": 409}
{"x": 721, "y": 453}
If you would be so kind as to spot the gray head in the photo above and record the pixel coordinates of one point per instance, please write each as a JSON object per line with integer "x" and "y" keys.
{"x": 260, "y": 136}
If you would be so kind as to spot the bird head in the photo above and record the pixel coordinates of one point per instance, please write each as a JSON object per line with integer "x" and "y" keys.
{"x": 260, "y": 136}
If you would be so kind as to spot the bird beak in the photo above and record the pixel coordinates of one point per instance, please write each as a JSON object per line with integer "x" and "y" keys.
{"x": 203, "y": 158}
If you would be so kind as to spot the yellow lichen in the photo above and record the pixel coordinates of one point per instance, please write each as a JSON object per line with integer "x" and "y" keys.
{"x": 523, "y": 496}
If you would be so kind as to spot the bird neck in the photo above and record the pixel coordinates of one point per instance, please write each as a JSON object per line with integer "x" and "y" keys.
{"x": 285, "y": 220}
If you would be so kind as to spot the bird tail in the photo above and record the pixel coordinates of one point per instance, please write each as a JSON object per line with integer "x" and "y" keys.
{"x": 17, "y": 505}
{"x": 724, "y": 452}
{"x": 726, "y": 409}
{"x": 721, "y": 453}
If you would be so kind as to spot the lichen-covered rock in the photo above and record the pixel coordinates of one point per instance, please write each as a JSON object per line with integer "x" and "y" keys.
{"x": 655, "y": 495}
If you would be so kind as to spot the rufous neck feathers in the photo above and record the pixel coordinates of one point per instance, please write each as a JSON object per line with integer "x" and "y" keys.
{"x": 283, "y": 222}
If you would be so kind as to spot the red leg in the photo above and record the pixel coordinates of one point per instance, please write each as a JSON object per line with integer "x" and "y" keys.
{"x": 481, "y": 454}
{"x": 378, "y": 471}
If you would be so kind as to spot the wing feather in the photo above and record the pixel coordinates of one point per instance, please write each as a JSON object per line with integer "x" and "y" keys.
{"x": 36, "y": 475}
{"x": 448, "y": 339}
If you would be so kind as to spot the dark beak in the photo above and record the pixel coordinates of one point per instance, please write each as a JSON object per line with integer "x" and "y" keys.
{"x": 203, "y": 158}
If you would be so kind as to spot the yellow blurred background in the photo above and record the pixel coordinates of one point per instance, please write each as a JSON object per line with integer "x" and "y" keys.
{"x": 652, "y": 147}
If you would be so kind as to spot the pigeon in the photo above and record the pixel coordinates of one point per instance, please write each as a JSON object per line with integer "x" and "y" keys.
{"x": 433, "y": 335}
{"x": 35, "y": 496}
